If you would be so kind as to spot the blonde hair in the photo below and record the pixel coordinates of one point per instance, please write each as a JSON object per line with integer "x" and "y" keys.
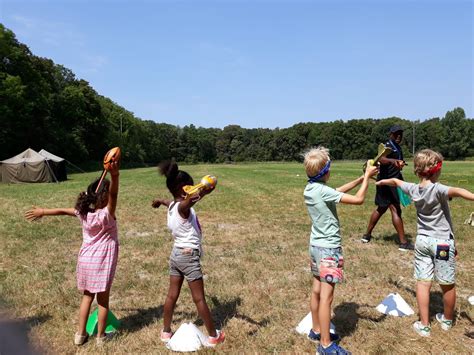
{"x": 425, "y": 160}
{"x": 315, "y": 159}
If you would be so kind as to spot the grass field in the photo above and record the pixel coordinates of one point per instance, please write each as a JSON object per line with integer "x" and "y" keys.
{"x": 256, "y": 264}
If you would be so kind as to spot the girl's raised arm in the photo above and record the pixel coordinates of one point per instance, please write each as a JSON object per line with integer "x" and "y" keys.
{"x": 36, "y": 212}
{"x": 114, "y": 187}
{"x": 185, "y": 205}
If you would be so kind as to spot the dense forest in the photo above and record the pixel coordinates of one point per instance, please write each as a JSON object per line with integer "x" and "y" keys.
{"x": 43, "y": 105}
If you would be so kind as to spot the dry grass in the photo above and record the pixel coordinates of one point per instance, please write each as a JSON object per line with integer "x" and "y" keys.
{"x": 256, "y": 264}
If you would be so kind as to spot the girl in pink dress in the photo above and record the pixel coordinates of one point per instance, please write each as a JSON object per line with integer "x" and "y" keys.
{"x": 98, "y": 255}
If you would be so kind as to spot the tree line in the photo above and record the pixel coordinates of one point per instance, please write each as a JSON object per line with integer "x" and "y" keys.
{"x": 44, "y": 105}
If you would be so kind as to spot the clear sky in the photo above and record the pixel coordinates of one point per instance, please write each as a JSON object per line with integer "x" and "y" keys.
{"x": 260, "y": 63}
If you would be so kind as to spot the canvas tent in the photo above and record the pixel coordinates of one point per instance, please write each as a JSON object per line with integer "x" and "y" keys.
{"x": 30, "y": 166}
{"x": 57, "y": 164}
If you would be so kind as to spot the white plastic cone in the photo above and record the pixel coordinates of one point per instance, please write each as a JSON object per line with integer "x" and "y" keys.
{"x": 188, "y": 337}
{"x": 395, "y": 305}
{"x": 307, "y": 323}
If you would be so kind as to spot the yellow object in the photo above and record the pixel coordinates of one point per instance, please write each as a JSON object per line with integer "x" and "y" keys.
{"x": 207, "y": 183}
{"x": 383, "y": 151}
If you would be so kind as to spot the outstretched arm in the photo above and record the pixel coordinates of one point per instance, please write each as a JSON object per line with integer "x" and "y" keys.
{"x": 458, "y": 192}
{"x": 390, "y": 182}
{"x": 350, "y": 185}
{"x": 359, "y": 197}
{"x": 114, "y": 188}
{"x": 184, "y": 207}
{"x": 157, "y": 202}
{"x": 37, "y": 212}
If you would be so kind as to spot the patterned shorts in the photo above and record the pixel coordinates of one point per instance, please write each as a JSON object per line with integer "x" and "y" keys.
{"x": 435, "y": 259}
{"x": 327, "y": 264}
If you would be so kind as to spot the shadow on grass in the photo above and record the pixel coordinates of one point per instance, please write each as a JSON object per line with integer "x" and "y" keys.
{"x": 436, "y": 302}
{"x": 394, "y": 238}
{"x": 222, "y": 312}
{"x": 347, "y": 315}
{"x": 141, "y": 318}
{"x": 14, "y": 334}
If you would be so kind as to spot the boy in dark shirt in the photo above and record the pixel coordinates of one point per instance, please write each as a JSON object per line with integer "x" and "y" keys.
{"x": 386, "y": 197}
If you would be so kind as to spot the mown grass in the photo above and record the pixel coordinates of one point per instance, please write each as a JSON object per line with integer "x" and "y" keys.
{"x": 256, "y": 264}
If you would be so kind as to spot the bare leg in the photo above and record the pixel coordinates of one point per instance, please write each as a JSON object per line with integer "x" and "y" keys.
{"x": 449, "y": 300}
{"x": 314, "y": 303}
{"x": 423, "y": 299}
{"x": 84, "y": 310}
{"x": 398, "y": 223}
{"x": 173, "y": 293}
{"x": 325, "y": 302}
{"x": 374, "y": 218}
{"x": 103, "y": 301}
{"x": 197, "y": 291}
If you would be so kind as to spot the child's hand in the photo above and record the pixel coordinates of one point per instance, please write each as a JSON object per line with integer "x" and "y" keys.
{"x": 34, "y": 214}
{"x": 113, "y": 168}
{"x": 156, "y": 203}
{"x": 371, "y": 170}
{"x": 399, "y": 164}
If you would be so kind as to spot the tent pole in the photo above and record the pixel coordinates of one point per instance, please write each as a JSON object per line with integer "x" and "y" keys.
{"x": 51, "y": 171}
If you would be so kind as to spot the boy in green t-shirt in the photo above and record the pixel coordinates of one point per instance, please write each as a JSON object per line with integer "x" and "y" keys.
{"x": 325, "y": 241}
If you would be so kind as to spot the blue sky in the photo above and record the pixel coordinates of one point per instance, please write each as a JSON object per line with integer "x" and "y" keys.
{"x": 260, "y": 63}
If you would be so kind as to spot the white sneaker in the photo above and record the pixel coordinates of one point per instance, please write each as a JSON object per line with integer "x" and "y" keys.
{"x": 80, "y": 339}
{"x": 446, "y": 324}
{"x": 423, "y": 330}
{"x": 104, "y": 339}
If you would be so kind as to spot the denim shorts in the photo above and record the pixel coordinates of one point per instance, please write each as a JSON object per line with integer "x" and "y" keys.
{"x": 327, "y": 264}
{"x": 435, "y": 259}
{"x": 186, "y": 262}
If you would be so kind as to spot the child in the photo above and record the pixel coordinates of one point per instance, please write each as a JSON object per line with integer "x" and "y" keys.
{"x": 325, "y": 241}
{"x": 434, "y": 248}
{"x": 98, "y": 255}
{"x": 185, "y": 258}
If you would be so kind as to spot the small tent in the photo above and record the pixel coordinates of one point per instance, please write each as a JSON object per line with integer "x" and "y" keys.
{"x": 29, "y": 166}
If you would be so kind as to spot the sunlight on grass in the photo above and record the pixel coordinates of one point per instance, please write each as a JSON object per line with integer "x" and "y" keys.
{"x": 256, "y": 264}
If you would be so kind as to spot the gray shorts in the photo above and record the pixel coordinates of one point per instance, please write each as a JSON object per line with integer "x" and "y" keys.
{"x": 186, "y": 262}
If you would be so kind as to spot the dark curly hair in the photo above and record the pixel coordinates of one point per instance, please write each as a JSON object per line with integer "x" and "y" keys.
{"x": 87, "y": 200}
{"x": 175, "y": 178}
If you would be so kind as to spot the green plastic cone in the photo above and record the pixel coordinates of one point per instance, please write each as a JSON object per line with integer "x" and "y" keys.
{"x": 112, "y": 324}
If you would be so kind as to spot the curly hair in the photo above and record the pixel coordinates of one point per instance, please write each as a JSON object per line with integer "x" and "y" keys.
{"x": 175, "y": 178}
{"x": 425, "y": 160}
{"x": 87, "y": 200}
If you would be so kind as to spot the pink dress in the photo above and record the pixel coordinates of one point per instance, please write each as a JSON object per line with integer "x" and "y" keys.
{"x": 98, "y": 256}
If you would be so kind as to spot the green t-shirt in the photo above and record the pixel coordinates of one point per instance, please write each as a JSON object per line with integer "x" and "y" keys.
{"x": 321, "y": 202}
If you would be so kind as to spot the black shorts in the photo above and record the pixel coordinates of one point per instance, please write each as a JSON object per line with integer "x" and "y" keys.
{"x": 386, "y": 195}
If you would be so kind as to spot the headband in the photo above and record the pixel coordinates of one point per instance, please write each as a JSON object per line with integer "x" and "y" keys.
{"x": 433, "y": 170}
{"x": 323, "y": 172}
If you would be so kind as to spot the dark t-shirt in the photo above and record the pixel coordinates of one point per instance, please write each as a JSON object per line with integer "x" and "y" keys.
{"x": 388, "y": 171}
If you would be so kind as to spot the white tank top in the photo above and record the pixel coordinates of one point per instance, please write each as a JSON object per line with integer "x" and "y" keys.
{"x": 186, "y": 232}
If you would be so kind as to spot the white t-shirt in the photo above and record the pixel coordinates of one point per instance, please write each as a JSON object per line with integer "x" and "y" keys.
{"x": 186, "y": 232}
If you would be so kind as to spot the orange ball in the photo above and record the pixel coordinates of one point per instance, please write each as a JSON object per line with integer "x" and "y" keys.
{"x": 113, "y": 155}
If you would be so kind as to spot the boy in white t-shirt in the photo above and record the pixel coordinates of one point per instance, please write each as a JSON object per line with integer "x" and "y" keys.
{"x": 434, "y": 248}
